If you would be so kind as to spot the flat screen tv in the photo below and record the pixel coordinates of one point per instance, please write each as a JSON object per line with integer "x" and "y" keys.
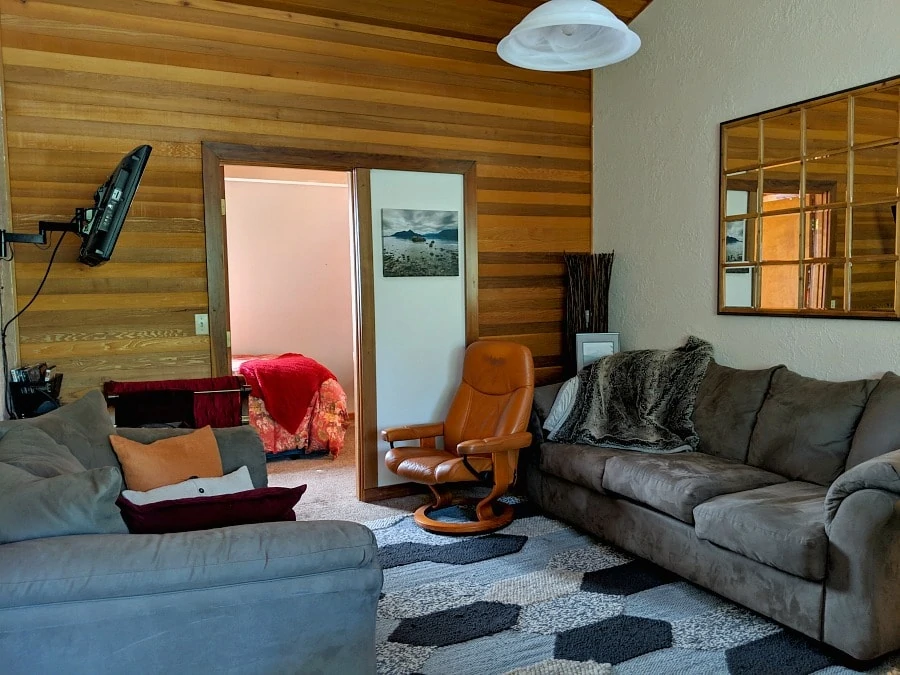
{"x": 102, "y": 224}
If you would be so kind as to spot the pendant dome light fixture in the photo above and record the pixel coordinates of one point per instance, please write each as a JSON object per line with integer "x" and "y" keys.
{"x": 565, "y": 35}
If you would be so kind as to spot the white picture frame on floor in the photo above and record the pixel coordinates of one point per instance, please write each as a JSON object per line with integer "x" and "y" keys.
{"x": 590, "y": 347}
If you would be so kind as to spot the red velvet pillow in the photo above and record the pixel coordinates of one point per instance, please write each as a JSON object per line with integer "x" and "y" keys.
{"x": 263, "y": 505}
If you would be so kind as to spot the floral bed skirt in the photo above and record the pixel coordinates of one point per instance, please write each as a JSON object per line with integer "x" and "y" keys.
{"x": 323, "y": 426}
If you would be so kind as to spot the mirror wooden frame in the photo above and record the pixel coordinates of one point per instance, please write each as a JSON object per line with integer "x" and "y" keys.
{"x": 808, "y": 206}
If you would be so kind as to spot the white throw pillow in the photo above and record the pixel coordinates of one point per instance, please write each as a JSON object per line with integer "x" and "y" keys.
{"x": 562, "y": 406}
{"x": 236, "y": 481}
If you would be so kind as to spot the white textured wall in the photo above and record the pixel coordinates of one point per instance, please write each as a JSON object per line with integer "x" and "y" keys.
{"x": 420, "y": 322}
{"x": 656, "y": 148}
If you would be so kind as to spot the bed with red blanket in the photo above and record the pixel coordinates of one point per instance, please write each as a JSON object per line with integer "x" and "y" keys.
{"x": 296, "y": 403}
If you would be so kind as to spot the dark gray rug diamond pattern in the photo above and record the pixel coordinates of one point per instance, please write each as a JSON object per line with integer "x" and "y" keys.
{"x": 613, "y": 640}
{"x": 459, "y": 624}
{"x": 541, "y": 598}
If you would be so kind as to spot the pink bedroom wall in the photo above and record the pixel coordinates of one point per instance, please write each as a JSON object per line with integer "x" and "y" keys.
{"x": 289, "y": 265}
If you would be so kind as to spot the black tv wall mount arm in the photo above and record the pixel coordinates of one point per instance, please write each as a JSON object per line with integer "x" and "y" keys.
{"x": 74, "y": 225}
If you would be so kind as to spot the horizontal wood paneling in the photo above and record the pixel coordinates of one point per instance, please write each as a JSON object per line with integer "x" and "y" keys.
{"x": 87, "y": 80}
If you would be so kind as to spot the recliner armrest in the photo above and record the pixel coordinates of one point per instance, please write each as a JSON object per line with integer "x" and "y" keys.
{"x": 485, "y": 446}
{"x": 413, "y": 432}
{"x": 880, "y": 473}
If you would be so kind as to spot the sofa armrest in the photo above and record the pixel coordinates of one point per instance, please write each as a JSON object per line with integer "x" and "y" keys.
{"x": 238, "y": 446}
{"x": 93, "y": 567}
{"x": 862, "y": 596}
{"x": 879, "y": 473}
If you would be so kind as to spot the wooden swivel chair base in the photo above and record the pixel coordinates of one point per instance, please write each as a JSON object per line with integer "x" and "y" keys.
{"x": 483, "y": 433}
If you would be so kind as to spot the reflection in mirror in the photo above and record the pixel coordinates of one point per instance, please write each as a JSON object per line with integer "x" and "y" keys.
{"x": 739, "y": 287}
{"x": 826, "y": 127}
{"x": 781, "y": 137}
{"x": 872, "y": 286}
{"x": 826, "y": 179}
{"x": 742, "y": 142}
{"x": 826, "y": 233}
{"x": 781, "y": 187}
{"x": 780, "y": 237}
{"x": 737, "y": 202}
{"x": 824, "y": 287}
{"x": 810, "y": 195}
{"x": 874, "y": 230}
{"x": 744, "y": 183}
{"x": 875, "y": 174}
{"x": 780, "y": 285}
{"x": 739, "y": 240}
{"x": 876, "y": 115}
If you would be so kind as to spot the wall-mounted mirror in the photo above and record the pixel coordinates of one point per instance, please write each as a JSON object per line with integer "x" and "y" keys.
{"x": 809, "y": 198}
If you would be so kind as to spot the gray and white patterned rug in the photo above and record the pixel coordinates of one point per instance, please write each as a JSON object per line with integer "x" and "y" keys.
{"x": 540, "y": 598}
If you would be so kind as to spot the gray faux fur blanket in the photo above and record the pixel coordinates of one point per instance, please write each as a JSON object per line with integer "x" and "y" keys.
{"x": 639, "y": 400}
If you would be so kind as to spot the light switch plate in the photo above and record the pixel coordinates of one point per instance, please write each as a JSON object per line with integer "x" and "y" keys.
{"x": 201, "y": 324}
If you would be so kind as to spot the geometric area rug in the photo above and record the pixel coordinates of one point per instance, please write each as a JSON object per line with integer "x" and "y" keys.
{"x": 541, "y": 598}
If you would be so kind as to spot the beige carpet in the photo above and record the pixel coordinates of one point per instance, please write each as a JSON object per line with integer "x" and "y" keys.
{"x": 331, "y": 488}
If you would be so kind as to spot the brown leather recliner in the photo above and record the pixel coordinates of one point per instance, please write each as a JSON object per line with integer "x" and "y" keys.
{"x": 483, "y": 433}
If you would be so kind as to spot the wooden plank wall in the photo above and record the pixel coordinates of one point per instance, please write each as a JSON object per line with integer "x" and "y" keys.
{"x": 87, "y": 80}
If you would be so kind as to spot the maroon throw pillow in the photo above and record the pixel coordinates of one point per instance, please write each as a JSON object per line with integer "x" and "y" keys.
{"x": 263, "y": 505}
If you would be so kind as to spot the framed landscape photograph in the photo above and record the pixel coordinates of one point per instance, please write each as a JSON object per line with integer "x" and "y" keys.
{"x": 590, "y": 347}
{"x": 420, "y": 243}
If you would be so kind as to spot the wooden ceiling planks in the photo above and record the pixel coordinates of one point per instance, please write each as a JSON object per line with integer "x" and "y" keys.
{"x": 478, "y": 20}
{"x": 87, "y": 80}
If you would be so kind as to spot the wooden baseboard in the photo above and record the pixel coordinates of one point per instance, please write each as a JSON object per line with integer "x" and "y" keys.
{"x": 377, "y": 494}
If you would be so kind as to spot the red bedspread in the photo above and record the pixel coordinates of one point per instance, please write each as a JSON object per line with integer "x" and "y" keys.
{"x": 286, "y": 384}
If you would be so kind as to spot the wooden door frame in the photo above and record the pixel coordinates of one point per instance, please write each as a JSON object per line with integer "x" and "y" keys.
{"x": 216, "y": 155}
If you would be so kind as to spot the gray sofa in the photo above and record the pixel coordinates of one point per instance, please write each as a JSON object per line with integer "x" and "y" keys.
{"x": 285, "y": 597}
{"x": 791, "y": 506}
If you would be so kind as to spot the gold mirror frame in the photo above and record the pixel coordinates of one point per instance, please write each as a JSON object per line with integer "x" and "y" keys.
{"x": 808, "y": 208}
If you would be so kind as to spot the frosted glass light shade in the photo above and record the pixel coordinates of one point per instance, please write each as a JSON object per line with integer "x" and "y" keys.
{"x": 563, "y": 35}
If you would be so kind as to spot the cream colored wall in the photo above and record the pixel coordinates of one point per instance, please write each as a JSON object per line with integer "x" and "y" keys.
{"x": 289, "y": 265}
{"x": 656, "y": 150}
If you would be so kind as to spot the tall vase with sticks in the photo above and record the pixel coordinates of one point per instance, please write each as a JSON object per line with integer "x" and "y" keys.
{"x": 587, "y": 299}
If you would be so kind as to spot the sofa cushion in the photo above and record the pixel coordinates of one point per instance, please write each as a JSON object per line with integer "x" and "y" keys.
{"x": 83, "y": 426}
{"x": 727, "y": 405}
{"x": 781, "y": 525}
{"x": 675, "y": 484}
{"x": 262, "y": 505}
{"x": 236, "y": 481}
{"x": 805, "y": 426}
{"x": 32, "y": 507}
{"x": 579, "y": 464}
{"x": 32, "y": 450}
{"x": 562, "y": 406}
{"x": 544, "y": 398}
{"x": 879, "y": 427}
{"x": 168, "y": 460}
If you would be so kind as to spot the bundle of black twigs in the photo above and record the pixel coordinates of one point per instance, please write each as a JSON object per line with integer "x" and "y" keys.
{"x": 587, "y": 298}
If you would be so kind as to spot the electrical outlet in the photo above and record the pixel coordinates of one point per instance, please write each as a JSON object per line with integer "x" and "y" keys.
{"x": 201, "y": 324}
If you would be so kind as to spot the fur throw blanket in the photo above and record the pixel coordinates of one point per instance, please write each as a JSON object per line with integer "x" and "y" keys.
{"x": 639, "y": 400}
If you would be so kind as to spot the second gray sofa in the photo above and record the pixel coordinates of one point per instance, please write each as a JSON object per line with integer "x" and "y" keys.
{"x": 790, "y": 507}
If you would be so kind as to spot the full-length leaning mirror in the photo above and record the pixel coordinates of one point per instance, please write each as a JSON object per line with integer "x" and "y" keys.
{"x": 808, "y": 208}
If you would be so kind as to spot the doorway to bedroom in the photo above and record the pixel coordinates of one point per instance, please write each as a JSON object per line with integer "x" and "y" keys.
{"x": 290, "y": 283}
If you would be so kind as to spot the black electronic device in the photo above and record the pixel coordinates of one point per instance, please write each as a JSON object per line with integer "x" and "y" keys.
{"x": 99, "y": 226}
{"x": 100, "y": 231}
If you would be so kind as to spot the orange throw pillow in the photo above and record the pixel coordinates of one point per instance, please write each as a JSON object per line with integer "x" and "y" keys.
{"x": 169, "y": 460}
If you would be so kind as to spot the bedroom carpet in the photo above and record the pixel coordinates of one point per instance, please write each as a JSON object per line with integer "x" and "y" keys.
{"x": 331, "y": 487}
{"x": 540, "y": 598}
